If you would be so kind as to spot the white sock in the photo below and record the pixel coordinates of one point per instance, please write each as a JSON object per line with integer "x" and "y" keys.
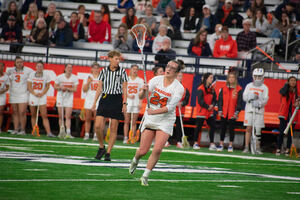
{"x": 87, "y": 134}
{"x": 146, "y": 172}
{"x": 135, "y": 160}
{"x": 69, "y": 131}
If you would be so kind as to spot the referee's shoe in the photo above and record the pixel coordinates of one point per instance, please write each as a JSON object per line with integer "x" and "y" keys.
{"x": 100, "y": 153}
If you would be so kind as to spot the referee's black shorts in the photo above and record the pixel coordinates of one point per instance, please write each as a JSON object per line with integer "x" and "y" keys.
{"x": 110, "y": 106}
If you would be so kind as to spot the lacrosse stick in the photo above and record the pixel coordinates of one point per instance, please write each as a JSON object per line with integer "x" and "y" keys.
{"x": 138, "y": 132}
{"x": 293, "y": 151}
{"x": 62, "y": 131}
{"x": 286, "y": 130}
{"x": 108, "y": 131}
{"x": 131, "y": 137}
{"x": 185, "y": 142}
{"x": 139, "y": 32}
{"x": 36, "y": 130}
{"x": 253, "y": 136}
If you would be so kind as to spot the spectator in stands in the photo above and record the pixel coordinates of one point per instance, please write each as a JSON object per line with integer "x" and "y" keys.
{"x": 63, "y": 34}
{"x": 141, "y": 6}
{"x": 207, "y": 20}
{"x": 197, "y": 4}
{"x": 124, "y": 5}
{"x": 215, "y": 36}
{"x": 130, "y": 19}
{"x": 225, "y": 47}
{"x": 228, "y": 16}
{"x": 213, "y": 5}
{"x": 150, "y": 19}
{"x": 261, "y": 24}
{"x": 163, "y": 4}
{"x": 289, "y": 101}
{"x": 206, "y": 101}
{"x": 39, "y": 34}
{"x": 5, "y": 4}
{"x": 249, "y": 14}
{"x": 157, "y": 71}
{"x": 12, "y": 10}
{"x": 31, "y": 16}
{"x": 170, "y": 31}
{"x": 105, "y": 13}
{"x": 199, "y": 45}
{"x": 4, "y": 83}
{"x": 50, "y": 13}
{"x": 259, "y": 4}
{"x": 290, "y": 9}
{"x": 122, "y": 40}
{"x": 148, "y": 42}
{"x": 165, "y": 55}
{"x": 174, "y": 20}
{"x": 99, "y": 31}
{"x": 230, "y": 102}
{"x": 280, "y": 30}
{"x": 26, "y": 5}
{"x": 162, "y": 34}
{"x": 53, "y": 24}
{"x": 296, "y": 53}
{"x": 190, "y": 21}
{"x": 82, "y": 15}
{"x": 77, "y": 28}
{"x": 11, "y": 32}
{"x": 246, "y": 40}
{"x": 155, "y": 3}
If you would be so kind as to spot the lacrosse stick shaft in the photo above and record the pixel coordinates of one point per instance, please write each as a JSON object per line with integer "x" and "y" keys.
{"x": 291, "y": 120}
{"x": 145, "y": 77}
{"x": 181, "y": 122}
{"x": 37, "y": 112}
{"x": 253, "y": 137}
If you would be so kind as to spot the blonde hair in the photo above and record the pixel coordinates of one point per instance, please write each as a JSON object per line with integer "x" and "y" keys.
{"x": 113, "y": 53}
{"x": 122, "y": 25}
{"x": 235, "y": 84}
{"x": 34, "y": 13}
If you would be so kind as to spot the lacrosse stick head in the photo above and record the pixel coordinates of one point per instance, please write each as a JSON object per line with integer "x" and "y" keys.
{"x": 139, "y": 31}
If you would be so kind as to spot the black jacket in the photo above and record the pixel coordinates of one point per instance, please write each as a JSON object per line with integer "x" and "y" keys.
{"x": 64, "y": 37}
{"x": 228, "y": 22}
{"x": 163, "y": 57}
{"x": 189, "y": 23}
{"x": 12, "y": 33}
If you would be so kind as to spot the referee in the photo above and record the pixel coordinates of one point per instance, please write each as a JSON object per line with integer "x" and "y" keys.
{"x": 112, "y": 85}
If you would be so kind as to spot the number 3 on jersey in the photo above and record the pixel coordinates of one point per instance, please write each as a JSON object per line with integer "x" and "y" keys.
{"x": 156, "y": 99}
{"x": 17, "y": 78}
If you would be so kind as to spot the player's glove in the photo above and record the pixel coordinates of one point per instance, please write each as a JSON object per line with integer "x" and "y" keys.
{"x": 251, "y": 96}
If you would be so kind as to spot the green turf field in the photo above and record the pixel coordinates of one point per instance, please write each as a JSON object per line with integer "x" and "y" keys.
{"x": 49, "y": 168}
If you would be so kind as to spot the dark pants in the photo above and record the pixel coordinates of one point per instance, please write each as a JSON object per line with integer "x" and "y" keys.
{"x": 178, "y": 133}
{"x": 231, "y": 125}
{"x": 282, "y": 126}
{"x": 212, "y": 125}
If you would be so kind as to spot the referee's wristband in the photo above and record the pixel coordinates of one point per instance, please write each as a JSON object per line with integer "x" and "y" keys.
{"x": 125, "y": 103}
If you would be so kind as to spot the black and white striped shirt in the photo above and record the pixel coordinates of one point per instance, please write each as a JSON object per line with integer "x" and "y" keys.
{"x": 113, "y": 80}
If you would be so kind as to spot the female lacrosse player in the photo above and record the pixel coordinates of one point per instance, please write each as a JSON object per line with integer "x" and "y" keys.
{"x": 166, "y": 92}
{"x": 229, "y": 105}
{"x": 134, "y": 85}
{"x": 90, "y": 88}
{"x": 38, "y": 86}
{"x": 289, "y": 101}
{"x": 4, "y": 87}
{"x": 66, "y": 85}
{"x": 206, "y": 101}
{"x": 18, "y": 92}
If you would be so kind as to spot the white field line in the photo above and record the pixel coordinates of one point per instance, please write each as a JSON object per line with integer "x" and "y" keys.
{"x": 165, "y": 150}
{"x": 152, "y": 180}
{"x": 229, "y": 186}
{"x": 293, "y": 192}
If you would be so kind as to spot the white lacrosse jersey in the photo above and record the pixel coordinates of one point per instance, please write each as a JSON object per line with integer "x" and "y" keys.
{"x": 133, "y": 88}
{"x": 263, "y": 95}
{"x": 4, "y": 81}
{"x": 18, "y": 81}
{"x": 160, "y": 97}
{"x": 38, "y": 86}
{"x": 65, "y": 99}
{"x": 91, "y": 93}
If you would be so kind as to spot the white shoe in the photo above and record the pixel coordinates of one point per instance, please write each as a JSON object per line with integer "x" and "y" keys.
{"x": 21, "y": 133}
{"x": 144, "y": 181}
{"x": 212, "y": 147}
{"x": 246, "y": 150}
{"x": 259, "y": 152}
{"x": 125, "y": 140}
{"x": 51, "y": 135}
{"x": 132, "y": 167}
{"x": 167, "y": 144}
{"x": 179, "y": 145}
{"x": 220, "y": 148}
{"x": 69, "y": 136}
{"x": 196, "y": 147}
{"x": 14, "y": 132}
{"x": 230, "y": 149}
{"x": 95, "y": 138}
{"x": 86, "y": 136}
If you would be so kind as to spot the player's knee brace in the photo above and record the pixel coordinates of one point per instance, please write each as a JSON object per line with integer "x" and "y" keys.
{"x": 258, "y": 133}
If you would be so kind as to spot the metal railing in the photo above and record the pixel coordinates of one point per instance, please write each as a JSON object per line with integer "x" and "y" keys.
{"x": 288, "y": 43}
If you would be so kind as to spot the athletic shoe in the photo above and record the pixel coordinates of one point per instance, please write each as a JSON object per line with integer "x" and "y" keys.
{"x": 278, "y": 151}
{"x": 230, "y": 149}
{"x": 100, "y": 153}
{"x": 144, "y": 181}
{"x": 179, "y": 145}
{"x": 220, "y": 148}
{"x": 259, "y": 152}
{"x": 21, "y": 133}
{"x": 95, "y": 137}
{"x": 133, "y": 166}
{"x": 107, "y": 157}
{"x": 125, "y": 140}
{"x": 287, "y": 152}
{"x": 196, "y": 147}
{"x": 86, "y": 136}
{"x": 246, "y": 150}
{"x": 51, "y": 135}
{"x": 69, "y": 136}
{"x": 212, "y": 147}
{"x": 167, "y": 144}
{"x": 14, "y": 132}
